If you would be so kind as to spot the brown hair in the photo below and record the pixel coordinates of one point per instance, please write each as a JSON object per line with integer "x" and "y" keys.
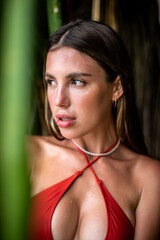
{"x": 101, "y": 43}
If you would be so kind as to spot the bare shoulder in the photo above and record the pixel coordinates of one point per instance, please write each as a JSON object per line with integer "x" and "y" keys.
{"x": 143, "y": 166}
{"x": 50, "y": 161}
{"x": 145, "y": 170}
{"x": 148, "y": 175}
{"x": 41, "y": 143}
{"x": 42, "y": 148}
{"x": 148, "y": 169}
{"x": 148, "y": 172}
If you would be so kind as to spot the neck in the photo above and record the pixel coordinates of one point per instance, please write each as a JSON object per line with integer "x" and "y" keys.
{"x": 109, "y": 150}
{"x": 98, "y": 142}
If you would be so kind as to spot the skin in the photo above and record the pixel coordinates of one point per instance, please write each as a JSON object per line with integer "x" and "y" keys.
{"x": 87, "y": 98}
{"x": 77, "y": 87}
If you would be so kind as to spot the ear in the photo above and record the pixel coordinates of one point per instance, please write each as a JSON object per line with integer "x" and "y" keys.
{"x": 117, "y": 88}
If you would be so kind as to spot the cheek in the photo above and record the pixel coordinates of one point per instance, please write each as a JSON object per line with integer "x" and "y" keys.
{"x": 91, "y": 103}
{"x": 100, "y": 106}
{"x": 83, "y": 102}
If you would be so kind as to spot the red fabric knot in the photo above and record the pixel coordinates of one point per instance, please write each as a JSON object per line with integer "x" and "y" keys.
{"x": 99, "y": 181}
{"x": 79, "y": 173}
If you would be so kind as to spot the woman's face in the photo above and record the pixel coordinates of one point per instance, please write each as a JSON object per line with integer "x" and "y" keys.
{"x": 79, "y": 96}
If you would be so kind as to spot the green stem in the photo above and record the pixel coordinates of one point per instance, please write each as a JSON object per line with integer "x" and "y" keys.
{"x": 15, "y": 63}
{"x": 54, "y": 15}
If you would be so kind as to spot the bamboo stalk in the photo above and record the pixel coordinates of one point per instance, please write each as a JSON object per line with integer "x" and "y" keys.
{"x": 54, "y": 15}
{"x": 96, "y": 10}
{"x": 110, "y": 18}
{"x": 15, "y": 58}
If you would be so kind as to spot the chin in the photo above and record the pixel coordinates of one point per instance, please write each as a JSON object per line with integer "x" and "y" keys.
{"x": 68, "y": 134}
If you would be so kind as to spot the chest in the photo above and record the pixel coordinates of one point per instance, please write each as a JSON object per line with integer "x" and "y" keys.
{"x": 81, "y": 207}
{"x": 88, "y": 211}
{"x": 84, "y": 217}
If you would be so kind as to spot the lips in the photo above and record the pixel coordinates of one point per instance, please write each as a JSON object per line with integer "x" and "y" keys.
{"x": 64, "y": 121}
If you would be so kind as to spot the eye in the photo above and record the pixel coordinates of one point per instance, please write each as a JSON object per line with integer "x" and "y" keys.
{"x": 78, "y": 82}
{"x": 51, "y": 82}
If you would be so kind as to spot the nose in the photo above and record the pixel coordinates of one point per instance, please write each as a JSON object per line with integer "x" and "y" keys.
{"x": 62, "y": 97}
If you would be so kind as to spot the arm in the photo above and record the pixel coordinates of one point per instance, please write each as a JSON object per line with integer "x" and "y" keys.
{"x": 148, "y": 209}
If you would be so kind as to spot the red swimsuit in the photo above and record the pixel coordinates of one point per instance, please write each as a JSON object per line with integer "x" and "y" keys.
{"x": 44, "y": 203}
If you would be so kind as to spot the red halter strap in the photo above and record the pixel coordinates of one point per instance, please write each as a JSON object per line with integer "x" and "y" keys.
{"x": 90, "y": 163}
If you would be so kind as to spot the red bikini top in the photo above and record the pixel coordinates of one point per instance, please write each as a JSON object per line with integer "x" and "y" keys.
{"x": 44, "y": 203}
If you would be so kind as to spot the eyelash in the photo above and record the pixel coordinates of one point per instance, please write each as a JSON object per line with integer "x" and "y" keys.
{"x": 73, "y": 82}
{"x": 82, "y": 83}
{"x": 49, "y": 82}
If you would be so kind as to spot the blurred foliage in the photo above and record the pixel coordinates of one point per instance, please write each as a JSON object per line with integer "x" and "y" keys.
{"x": 54, "y": 15}
{"x": 17, "y": 25}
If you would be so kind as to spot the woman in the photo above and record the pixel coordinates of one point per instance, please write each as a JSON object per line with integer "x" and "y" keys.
{"x": 92, "y": 180}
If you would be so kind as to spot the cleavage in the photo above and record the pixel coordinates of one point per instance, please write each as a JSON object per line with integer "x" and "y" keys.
{"x": 81, "y": 211}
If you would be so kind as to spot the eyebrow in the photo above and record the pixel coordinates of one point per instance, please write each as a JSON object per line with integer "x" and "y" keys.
{"x": 78, "y": 74}
{"x": 48, "y": 75}
{"x": 71, "y": 75}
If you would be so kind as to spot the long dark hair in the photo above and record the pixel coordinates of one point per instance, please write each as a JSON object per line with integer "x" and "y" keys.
{"x": 101, "y": 43}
